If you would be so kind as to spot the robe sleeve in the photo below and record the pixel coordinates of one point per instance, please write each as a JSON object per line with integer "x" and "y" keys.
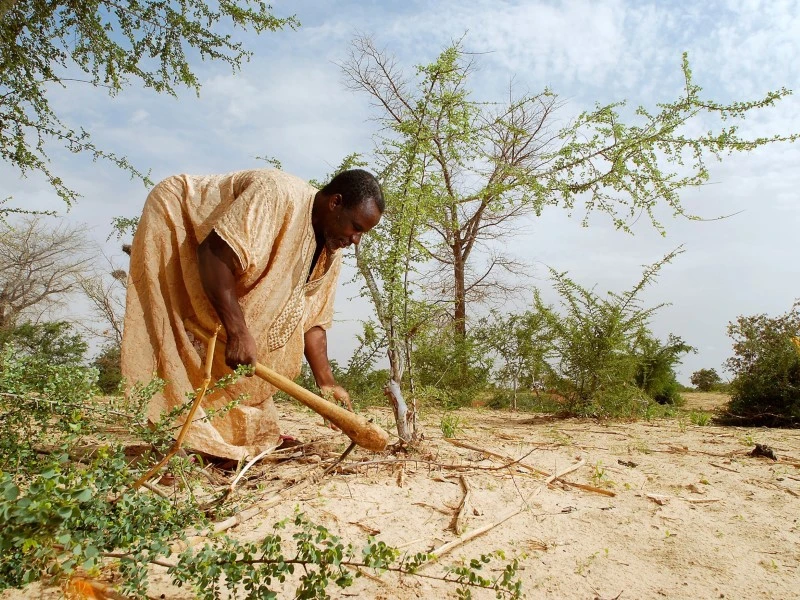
{"x": 319, "y": 304}
{"x": 252, "y": 220}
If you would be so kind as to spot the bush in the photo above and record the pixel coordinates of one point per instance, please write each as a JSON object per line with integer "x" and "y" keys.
{"x": 449, "y": 372}
{"x": 766, "y": 368}
{"x": 705, "y": 380}
{"x": 607, "y": 363}
{"x": 53, "y": 342}
{"x": 109, "y": 375}
{"x": 655, "y": 373}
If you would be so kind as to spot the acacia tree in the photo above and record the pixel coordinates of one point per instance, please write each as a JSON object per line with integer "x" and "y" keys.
{"x": 40, "y": 266}
{"x": 488, "y": 163}
{"x": 106, "y": 44}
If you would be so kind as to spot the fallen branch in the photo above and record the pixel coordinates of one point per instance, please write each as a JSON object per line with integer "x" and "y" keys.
{"x": 723, "y": 468}
{"x": 449, "y": 546}
{"x": 458, "y": 521}
{"x": 569, "y": 469}
{"x": 262, "y": 506}
{"x": 510, "y": 461}
{"x": 518, "y": 462}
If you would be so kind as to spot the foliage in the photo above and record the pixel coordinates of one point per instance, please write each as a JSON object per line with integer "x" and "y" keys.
{"x": 700, "y": 418}
{"x": 522, "y": 343}
{"x": 450, "y": 425}
{"x": 40, "y": 266}
{"x": 61, "y": 518}
{"x": 476, "y": 166}
{"x": 52, "y": 341}
{"x": 109, "y": 373}
{"x": 655, "y": 373}
{"x": 41, "y": 403}
{"x": 600, "y": 370}
{"x": 766, "y": 368}
{"x": 60, "y": 514}
{"x": 705, "y": 380}
{"x": 104, "y": 44}
{"x": 451, "y": 372}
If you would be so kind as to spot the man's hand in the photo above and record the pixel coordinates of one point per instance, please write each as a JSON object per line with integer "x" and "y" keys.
{"x": 241, "y": 349}
{"x": 336, "y": 393}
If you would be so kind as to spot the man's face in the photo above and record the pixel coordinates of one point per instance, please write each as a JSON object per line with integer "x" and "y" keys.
{"x": 346, "y": 226}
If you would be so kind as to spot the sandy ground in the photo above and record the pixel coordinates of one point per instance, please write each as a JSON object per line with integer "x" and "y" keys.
{"x": 692, "y": 515}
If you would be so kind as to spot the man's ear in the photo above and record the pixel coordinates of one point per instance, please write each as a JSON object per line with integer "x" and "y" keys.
{"x": 335, "y": 201}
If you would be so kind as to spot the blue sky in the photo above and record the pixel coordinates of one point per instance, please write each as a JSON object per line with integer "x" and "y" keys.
{"x": 289, "y": 102}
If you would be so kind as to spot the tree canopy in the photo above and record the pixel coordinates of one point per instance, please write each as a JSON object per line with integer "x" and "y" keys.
{"x": 109, "y": 44}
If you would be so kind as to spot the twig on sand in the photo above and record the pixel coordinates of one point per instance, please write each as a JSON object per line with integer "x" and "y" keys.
{"x": 511, "y": 462}
{"x": 560, "y": 474}
{"x": 154, "y": 489}
{"x": 340, "y": 459}
{"x": 458, "y": 521}
{"x": 463, "y": 539}
{"x": 723, "y": 468}
{"x": 248, "y": 466}
{"x": 262, "y": 506}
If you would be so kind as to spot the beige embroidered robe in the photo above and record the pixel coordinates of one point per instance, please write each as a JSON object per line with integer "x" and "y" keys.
{"x": 265, "y": 217}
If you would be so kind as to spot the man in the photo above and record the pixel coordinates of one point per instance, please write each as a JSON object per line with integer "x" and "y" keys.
{"x": 259, "y": 252}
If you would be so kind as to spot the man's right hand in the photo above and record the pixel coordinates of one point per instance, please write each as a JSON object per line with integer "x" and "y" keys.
{"x": 241, "y": 349}
{"x": 218, "y": 264}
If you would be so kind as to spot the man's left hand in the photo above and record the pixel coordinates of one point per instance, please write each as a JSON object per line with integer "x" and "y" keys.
{"x": 336, "y": 393}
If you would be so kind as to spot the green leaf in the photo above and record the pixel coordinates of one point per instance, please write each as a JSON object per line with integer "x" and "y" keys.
{"x": 84, "y": 495}
{"x": 11, "y": 492}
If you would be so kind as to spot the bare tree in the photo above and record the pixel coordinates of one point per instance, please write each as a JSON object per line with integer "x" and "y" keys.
{"x": 41, "y": 266}
{"x": 105, "y": 291}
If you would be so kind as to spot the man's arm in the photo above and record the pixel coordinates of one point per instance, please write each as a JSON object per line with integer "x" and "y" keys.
{"x": 316, "y": 351}
{"x": 217, "y": 263}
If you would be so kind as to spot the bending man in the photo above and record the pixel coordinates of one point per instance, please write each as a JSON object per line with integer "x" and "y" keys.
{"x": 258, "y": 251}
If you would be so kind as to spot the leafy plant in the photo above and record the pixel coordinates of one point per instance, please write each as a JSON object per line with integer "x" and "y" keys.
{"x": 700, "y": 418}
{"x": 705, "y": 380}
{"x": 604, "y": 357}
{"x": 766, "y": 368}
{"x": 109, "y": 374}
{"x": 450, "y": 425}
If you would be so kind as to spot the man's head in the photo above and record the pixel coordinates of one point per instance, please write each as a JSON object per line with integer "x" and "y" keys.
{"x": 345, "y": 209}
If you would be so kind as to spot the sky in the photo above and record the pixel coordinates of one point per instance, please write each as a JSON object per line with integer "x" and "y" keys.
{"x": 289, "y": 102}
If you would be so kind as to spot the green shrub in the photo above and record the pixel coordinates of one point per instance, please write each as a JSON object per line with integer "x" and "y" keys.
{"x": 452, "y": 372}
{"x": 54, "y": 342}
{"x": 766, "y": 368}
{"x": 109, "y": 374}
{"x": 606, "y": 360}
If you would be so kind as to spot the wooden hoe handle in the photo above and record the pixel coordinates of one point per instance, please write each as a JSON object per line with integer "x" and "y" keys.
{"x": 357, "y": 428}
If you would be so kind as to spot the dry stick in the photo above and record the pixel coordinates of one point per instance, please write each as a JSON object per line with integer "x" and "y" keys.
{"x": 723, "y": 468}
{"x": 570, "y": 469}
{"x": 154, "y": 489}
{"x": 449, "y": 546}
{"x": 441, "y": 550}
{"x": 247, "y": 467}
{"x": 340, "y": 459}
{"x": 580, "y": 486}
{"x": 188, "y": 421}
{"x": 461, "y": 444}
{"x": 458, "y": 524}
